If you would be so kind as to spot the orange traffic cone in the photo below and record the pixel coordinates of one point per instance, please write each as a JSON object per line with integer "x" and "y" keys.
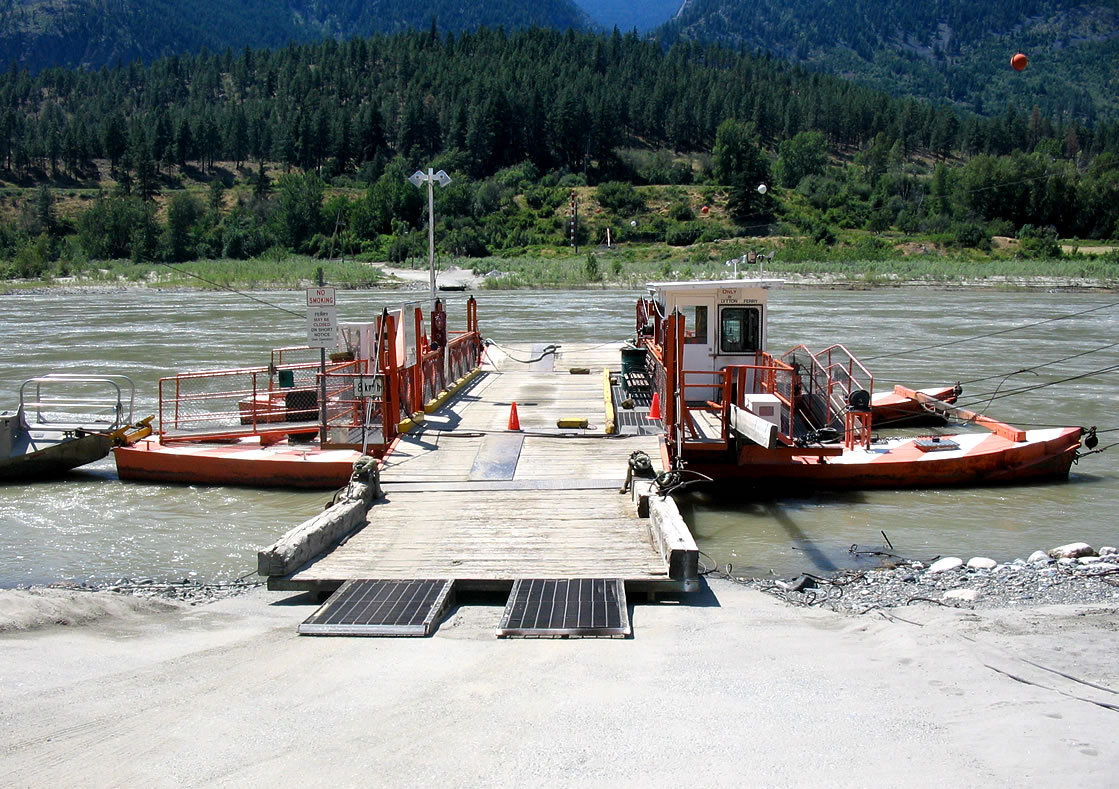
{"x": 655, "y": 408}
{"x": 514, "y": 423}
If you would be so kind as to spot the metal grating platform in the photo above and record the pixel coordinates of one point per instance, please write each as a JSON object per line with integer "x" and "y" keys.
{"x": 561, "y": 607}
{"x": 381, "y": 608}
{"x": 635, "y": 420}
{"x": 936, "y": 444}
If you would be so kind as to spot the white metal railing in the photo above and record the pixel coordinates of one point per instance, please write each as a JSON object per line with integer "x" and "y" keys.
{"x": 65, "y": 401}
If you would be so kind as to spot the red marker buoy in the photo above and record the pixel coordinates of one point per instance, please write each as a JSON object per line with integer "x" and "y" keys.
{"x": 1019, "y": 62}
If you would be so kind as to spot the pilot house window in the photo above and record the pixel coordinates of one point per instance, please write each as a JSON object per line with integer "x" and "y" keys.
{"x": 695, "y": 325}
{"x": 739, "y": 329}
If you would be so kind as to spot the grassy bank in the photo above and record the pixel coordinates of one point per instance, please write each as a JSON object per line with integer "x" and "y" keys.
{"x": 268, "y": 272}
{"x": 632, "y": 265}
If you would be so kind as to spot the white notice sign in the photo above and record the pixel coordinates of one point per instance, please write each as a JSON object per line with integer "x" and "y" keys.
{"x": 371, "y": 386}
{"x": 322, "y": 318}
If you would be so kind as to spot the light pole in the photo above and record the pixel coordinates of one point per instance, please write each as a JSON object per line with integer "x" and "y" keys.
{"x": 431, "y": 178}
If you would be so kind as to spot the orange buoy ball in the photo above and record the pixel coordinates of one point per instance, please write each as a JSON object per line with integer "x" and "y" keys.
{"x": 1019, "y": 62}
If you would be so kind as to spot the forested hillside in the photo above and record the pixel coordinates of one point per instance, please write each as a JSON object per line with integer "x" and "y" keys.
{"x": 38, "y": 34}
{"x": 233, "y": 154}
{"x": 938, "y": 49}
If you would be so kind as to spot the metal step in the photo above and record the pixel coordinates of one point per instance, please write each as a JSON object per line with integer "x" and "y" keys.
{"x": 382, "y": 608}
{"x": 566, "y": 607}
{"x": 634, "y": 421}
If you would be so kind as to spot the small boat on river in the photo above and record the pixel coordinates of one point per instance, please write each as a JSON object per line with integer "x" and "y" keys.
{"x": 65, "y": 421}
{"x": 732, "y": 411}
{"x": 298, "y": 422}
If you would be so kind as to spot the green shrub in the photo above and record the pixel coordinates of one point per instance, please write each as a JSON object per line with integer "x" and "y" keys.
{"x": 590, "y": 267}
{"x": 681, "y": 211}
{"x": 620, "y": 197}
{"x": 822, "y": 234}
{"x": 683, "y": 235}
{"x": 1040, "y": 242}
{"x": 970, "y": 234}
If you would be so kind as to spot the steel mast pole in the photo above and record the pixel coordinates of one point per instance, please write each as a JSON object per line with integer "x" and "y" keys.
{"x": 431, "y": 178}
{"x": 431, "y": 231}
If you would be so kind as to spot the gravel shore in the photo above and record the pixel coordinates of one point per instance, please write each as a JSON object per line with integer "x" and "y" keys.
{"x": 979, "y": 583}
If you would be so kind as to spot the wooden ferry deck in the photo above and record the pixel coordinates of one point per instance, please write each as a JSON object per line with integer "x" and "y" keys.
{"x": 469, "y": 500}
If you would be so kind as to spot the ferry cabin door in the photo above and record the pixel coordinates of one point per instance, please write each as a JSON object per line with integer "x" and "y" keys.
{"x": 699, "y": 348}
{"x": 741, "y": 334}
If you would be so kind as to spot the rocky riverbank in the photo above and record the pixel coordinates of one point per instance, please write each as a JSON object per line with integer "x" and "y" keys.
{"x": 1074, "y": 574}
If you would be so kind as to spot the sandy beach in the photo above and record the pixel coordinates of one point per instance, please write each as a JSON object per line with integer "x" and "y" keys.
{"x": 727, "y": 687}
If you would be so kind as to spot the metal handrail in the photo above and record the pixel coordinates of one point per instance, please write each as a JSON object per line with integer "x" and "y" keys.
{"x": 116, "y": 382}
{"x": 852, "y": 362}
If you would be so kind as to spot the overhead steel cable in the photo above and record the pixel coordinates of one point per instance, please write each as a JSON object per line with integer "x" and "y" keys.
{"x": 988, "y": 398}
{"x": 990, "y": 334}
{"x": 1040, "y": 366}
{"x": 230, "y": 289}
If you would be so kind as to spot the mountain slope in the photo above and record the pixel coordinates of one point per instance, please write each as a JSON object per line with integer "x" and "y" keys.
{"x": 91, "y": 33}
{"x": 940, "y": 49}
{"x": 627, "y": 15}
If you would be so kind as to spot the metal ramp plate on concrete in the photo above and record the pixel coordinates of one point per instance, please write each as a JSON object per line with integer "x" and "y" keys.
{"x": 382, "y": 608}
{"x": 566, "y": 607}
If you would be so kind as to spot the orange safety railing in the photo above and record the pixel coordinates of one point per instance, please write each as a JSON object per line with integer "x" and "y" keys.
{"x": 230, "y": 403}
{"x": 464, "y": 352}
{"x": 767, "y": 376}
{"x": 813, "y": 389}
{"x": 357, "y": 421}
{"x": 284, "y": 398}
{"x": 828, "y": 378}
{"x": 662, "y": 336}
{"x": 295, "y": 355}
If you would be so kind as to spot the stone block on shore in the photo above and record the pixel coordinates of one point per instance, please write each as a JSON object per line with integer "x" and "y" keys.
{"x": 1074, "y": 550}
{"x": 946, "y": 564}
{"x": 981, "y": 563}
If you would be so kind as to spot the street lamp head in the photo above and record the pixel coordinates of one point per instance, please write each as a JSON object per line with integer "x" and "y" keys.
{"x": 442, "y": 178}
{"x": 417, "y": 178}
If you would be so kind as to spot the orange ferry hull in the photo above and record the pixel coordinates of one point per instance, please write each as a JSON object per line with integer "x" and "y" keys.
{"x": 983, "y": 459}
{"x": 242, "y": 463}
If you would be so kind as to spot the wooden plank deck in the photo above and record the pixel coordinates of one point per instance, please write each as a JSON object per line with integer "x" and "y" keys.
{"x": 467, "y": 499}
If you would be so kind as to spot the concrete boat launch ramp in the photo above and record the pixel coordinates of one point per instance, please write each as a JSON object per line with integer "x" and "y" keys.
{"x": 468, "y": 500}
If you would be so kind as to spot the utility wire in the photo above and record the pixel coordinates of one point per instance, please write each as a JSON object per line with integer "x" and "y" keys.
{"x": 230, "y": 289}
{"x": 1039, "y": 366}
{"x": 991, "y": 334}
{"x": 997, "y": 395}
